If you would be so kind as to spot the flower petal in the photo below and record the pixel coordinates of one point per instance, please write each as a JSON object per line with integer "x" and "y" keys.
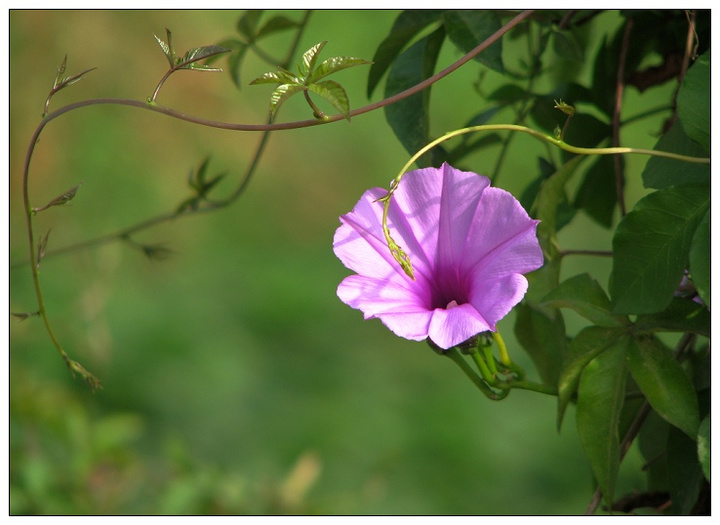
{"x": 494, "y": 298}
{"x": 450, "y": 327}
{"x": 397, "y": 306}
{"x": 502, "y": 238}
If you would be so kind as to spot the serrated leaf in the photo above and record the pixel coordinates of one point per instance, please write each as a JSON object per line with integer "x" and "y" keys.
{"x": 664, "y": 383}
{"x": 274, "y": 25}
{"x": 334, "y": 93}
{"x": 167, "y": 48}
{"x": 585, "y": 296}
{"x": 409, "y": 117}
{"x": 693, "y": 101}
{"x": 61, "y": 199}
{"x": 682, "y": 315}
{"x": 700, "y": 259}
{"x": 309, "y": 58}
{"x": 601, "y": 394}
{"x": 280, "y": 95}
{"x": 651, "y": 246}
{"x": 248, "y": 22}
{"x": 333, "y": 65}
{"x": 585, "y": 347}
{"x": 661, "y": 172}
{"x": 467, "y": 29}
{"x": 703, "y": 446}
{"x": 406, "y": 26}
{"x": 201, "y": 53}
{"x": 281, "y": 76}
{"x": 542, "y": 335}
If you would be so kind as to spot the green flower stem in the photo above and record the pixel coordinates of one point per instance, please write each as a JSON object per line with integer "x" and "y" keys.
{"x": 504, "y": 356}
{"x": 487, "y": 375}
{"x": 458, "y": 359}
{"x": 537, "y": 134}
{"x": 528, "y": 385}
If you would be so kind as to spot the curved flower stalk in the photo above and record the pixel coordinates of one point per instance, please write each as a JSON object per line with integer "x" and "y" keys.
{"x": 470, "y": 245}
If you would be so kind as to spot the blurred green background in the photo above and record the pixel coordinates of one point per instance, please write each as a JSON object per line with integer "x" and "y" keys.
{"x": 234, "y": 379}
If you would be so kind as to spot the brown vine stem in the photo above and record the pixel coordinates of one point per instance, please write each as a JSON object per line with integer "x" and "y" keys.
{"x": 619, "y": 89}
{"x": 73, "y": 365}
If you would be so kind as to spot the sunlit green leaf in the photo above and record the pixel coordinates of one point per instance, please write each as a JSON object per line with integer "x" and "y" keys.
{"x": 408, "y": 117}
{"x": 201, "y": 53}
{"x": 334, "y": 93}
{"x": 582, "y": 349}
{"x": 651, "y": 247}
{"x": 280, "y": 95}
{"x": 309, "y": 59}
{"x": 406, "y": 26}
{"x": 166, "y": 47}
{"x": 281, "y": 76}
{"x": 665, "y": 384}
{"x": 333, "y": 65}
{"x": 660, "y": 172}
{"x": 700, "y": 259}
{"x": 469, "y": 28}
{"x": 601, "y": 394}
{"x": 693, "y": 101}
{"x": 584, "y": 295}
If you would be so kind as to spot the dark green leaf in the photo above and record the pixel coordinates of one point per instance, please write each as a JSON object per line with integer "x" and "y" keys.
{"x": 333, "y": 93}
{"x": 280, "y": 95}
{"x": 703, "y": 446}
{"x": 693, "y": 101}
{"x": 234, "y": 64}
{"x": 274, "y": 25}
{"x": 409, "y": 118}
{"x": 406, "y": 26}
{"x": 660, "y": 172}
{"x": 508, "y": 94}
{"x": 601, "y": 394}
{"x": 333, "y": 65}
{"x": 597, "y": 195}
{"x": 567, "y": 46}
{"x": 551, "y": 195}
{"x": 584, "y": 295}
{"x": 248, "y": 22}
{"x": 651, "y": 246}
{"x": 682, "y": 315}
{"x": 665, "y": 384}
{"x": 684, "y": 472}
{"x": 309, "y": 58}
{"x": 468, "y": 29}
{"x": 542, "y": 335}
{"x": 700, "y": 259}
{"x": 652, "y": 442}
{"x": 582, "y": 349}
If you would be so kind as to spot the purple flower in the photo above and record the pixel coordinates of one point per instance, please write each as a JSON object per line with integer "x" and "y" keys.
{"x": 469, "y": 245}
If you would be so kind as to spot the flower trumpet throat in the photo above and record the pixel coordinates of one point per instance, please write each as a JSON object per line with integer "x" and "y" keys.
{"x": 458, "y": 252}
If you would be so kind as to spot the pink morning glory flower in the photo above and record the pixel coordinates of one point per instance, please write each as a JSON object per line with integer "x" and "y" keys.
{"x": 469, "y": 245}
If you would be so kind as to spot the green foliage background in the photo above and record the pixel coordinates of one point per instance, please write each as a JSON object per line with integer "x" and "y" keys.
{"x": 231, "y": 370}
